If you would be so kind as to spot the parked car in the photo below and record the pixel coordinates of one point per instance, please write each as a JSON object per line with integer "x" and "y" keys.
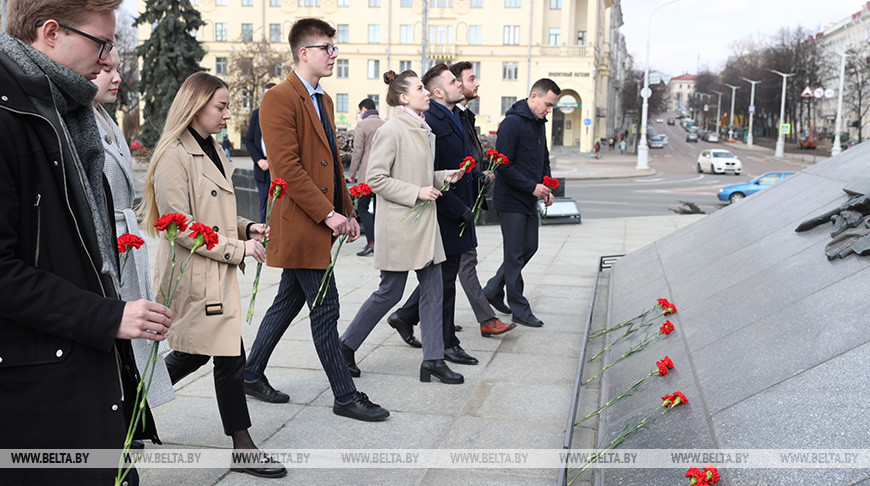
{"x": 659, "y": 120}
{"x": 712, "y": 137}
{"x": 736, "y": 192}
{"x": 719, "y": 161}
{"x": 657, "y": 141}
{"x": 692, "y": 137}
{"x": 849, "y": 143}
{"x": 671, "y": 121}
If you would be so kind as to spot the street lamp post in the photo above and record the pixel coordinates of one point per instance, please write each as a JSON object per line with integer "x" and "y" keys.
{"x": 643, "y": 147}
{"x": 838, "y": 125}
{"x": 731, "y": 121}
{"x": 780, "y": 139}
{"x": 751, "y": 110}
{"x": 718, "y": 111}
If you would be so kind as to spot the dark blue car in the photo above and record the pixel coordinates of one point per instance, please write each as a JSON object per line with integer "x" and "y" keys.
{"x": 736, "y": 192}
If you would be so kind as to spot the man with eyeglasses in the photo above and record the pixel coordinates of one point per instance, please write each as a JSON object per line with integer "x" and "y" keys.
{"x": 67, "y": 374}
{"x": 297, "y": 123}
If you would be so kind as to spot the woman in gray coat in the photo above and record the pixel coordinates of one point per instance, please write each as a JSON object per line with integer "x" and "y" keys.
{"x": 118, "y": 168}
{"x": 402, "y": 173}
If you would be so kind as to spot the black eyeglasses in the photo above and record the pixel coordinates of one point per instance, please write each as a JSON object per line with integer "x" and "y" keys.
{"x": 105, "y": 46}
{"x": 329, "y": 48}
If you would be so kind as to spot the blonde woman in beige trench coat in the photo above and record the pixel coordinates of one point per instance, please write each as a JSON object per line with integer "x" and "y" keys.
{"x": 189, "y": 174}
{"x": 402, "y": 174}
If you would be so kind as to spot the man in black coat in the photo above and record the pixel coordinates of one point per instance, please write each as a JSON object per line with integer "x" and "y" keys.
{"x": 522, "y": 137}
{"x": 257, "y": 150}
{"x": 67, "y": 373}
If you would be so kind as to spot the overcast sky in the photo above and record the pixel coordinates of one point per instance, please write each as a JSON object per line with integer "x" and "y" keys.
{"x": 689, "y": 30}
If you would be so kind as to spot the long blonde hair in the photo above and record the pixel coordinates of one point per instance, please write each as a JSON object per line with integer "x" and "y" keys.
{"x": 196, "y": 91}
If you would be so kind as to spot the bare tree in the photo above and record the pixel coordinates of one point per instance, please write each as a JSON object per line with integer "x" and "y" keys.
{"x": 857, "y": 84}
{"x": 127, "y": 102}
{"x": 250, "y": 67}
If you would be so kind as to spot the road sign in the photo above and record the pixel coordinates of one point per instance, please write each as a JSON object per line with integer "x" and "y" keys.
{"x": 819, "y": 92}
{"x": 587, "y": 121}
{"x": 646, "y": 92}
{"x": 807, "y": 93}
{"x": 751, "y": 109}
{"x": 633, "y": 128}
{"x": 785, "y": 128}
{"x": 829, "y": 93}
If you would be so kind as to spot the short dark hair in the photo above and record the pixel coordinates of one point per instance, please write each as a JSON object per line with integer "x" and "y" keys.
{"x": 460, "y": 67}
{"x": 543, "y": 85}
{"x": 269, "y": 85}
{"x": 432, "y": 74}
{"x": 368, "y": 104}
{"x": 303, "y": 30}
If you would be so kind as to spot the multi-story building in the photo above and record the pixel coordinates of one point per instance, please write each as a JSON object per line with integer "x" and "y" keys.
{"x": 680, "y": 90}
{"x": 511, "y": 44}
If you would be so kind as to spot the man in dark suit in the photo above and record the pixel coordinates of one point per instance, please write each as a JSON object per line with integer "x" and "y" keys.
{"x": 296, "y": 119}
{"x": 257, "y": 150}
{"x": 522, "y": 138}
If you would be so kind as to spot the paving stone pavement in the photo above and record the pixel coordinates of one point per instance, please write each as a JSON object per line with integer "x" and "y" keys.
{"x": 517, "y": 397}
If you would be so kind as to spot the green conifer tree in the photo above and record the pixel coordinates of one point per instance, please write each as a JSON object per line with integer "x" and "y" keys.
{"x": 169, "y": 56}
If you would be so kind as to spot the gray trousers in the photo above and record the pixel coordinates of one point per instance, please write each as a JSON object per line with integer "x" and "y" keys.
{"x": 389, "y": 294}
{"x": 471, "y": 285}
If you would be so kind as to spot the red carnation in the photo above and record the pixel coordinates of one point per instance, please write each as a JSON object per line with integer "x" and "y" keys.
{"x": 492, "y": 153}
{"x": 698, "y": 477}
{"x": 127, "y": 241}
{"x": 677, "y": 398}
{"x": 281, "y": 185}
{"x": 467, "y": 164}
{"x": 164, "y": 221}
{"x": 663, "y": 303}
{"x": 502, "y": 159}
{"x": 712, "y": 474}
{"x": 364, "y": 189}
{"x": 663, "y": 368}
{"x": 667, "y": 361}
{"x": 550, "y": 182}
{"x": 355, "y": 191}
{"x": 667, "y": 327}
{"x": 209, "y": 237}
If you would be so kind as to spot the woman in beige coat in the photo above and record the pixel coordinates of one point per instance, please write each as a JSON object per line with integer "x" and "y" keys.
{"x": 402, "y": 173}
{"x": 189, "y": 174}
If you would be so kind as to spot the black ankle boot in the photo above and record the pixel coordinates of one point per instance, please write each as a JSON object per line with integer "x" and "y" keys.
{"x": 439, "y": 369}
{"x": 347, "y": 353}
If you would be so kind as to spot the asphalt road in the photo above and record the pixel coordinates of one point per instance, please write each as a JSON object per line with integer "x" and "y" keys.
{"x": 677, "y": 180}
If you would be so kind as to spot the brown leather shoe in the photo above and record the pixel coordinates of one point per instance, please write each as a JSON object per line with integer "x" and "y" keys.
{"x": 495, "y": 326}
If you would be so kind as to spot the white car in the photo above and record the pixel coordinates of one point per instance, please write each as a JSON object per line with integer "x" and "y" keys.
{"x": 712, "y": 137}
{"x": 719, "y": 161}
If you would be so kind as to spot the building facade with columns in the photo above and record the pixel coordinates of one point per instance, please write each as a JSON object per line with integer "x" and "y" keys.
{"x": 511, "y": 44}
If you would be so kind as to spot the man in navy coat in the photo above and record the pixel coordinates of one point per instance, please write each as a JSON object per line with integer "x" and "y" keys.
{"x": 257, "y": 150}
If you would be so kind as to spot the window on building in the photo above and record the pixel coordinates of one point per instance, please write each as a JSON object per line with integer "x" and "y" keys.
{"x": 374, "y": 34}
{"x": 220, "y": 66}
{"x": 342, "y": 68}
{"x": 220, "y": 31}
{"x": 341, "y": 102}
{"x": 475, "y": 66}
{"x": 376, "y": 99}
{"x": 342, "y": 3}
{"x": 555, "y": 36}
{"x": 476, "y": 3}
{"x": 404, "y": 66}
{"x": 247, "y": 32}
{"x": 474, "y": 105}
{"x": 475, "y": 35}
{"x": 274, "y": 3}
{"x": 506, "y": 103}
{"x": 276, "y": 69}
{"x": 309, "y": 3}
{"x": 555, "y": 4}
{"x": 220, "y": 3}
{"x": 274, "y": 32}
{"x": 374, "y": 3}
{"x": 441, "y": 3}
{"x": 407, "y": 3}
{"x": 247, "y": 3}
{"x": 510, "y": 71}
{"x": 374, "y": 69}
{"x": 247, "y": 65}
{"x": 247, "y": 100}
{"x": 342, "y": 34}
{"x": 512, "y": 3}
{"x": 581, "y": 37}
{"x": 511, "y": 35}
{"x": 406, "y": 34}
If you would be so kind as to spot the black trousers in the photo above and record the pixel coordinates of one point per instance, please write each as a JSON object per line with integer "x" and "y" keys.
{"x": 410, "y": 310}
{"x": 229, "y": 384}
{"x": 366, "y": 218}
{"x": 519, "y": 233}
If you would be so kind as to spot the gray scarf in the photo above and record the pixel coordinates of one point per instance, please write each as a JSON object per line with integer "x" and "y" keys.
{"x": 72, "y": 96}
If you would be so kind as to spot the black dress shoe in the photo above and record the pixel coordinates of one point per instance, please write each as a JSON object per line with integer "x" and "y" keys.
{"x": 405, "y": 330}
{"x": 262, "y": 390}
{"x": 499, "y": 305}
{"x": 529, "y": 320}
{"x": 349, "y": 360}
{"x": 367, "y": 250}
{"x": 455, "y": 354}
{"x": 257, "y": 463}
{"x": 439, "y": 369}
{"x": 360, "y": 408}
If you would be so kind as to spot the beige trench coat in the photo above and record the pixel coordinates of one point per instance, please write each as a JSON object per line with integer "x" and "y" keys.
{"x": 401, "y": 162}
{"x": 206, "y": 306}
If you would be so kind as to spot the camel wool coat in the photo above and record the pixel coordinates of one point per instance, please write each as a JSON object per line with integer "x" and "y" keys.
{"x": 299, "y": 153}
{"x": 207, "y": 305}
{"x": 401, "y": 162}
